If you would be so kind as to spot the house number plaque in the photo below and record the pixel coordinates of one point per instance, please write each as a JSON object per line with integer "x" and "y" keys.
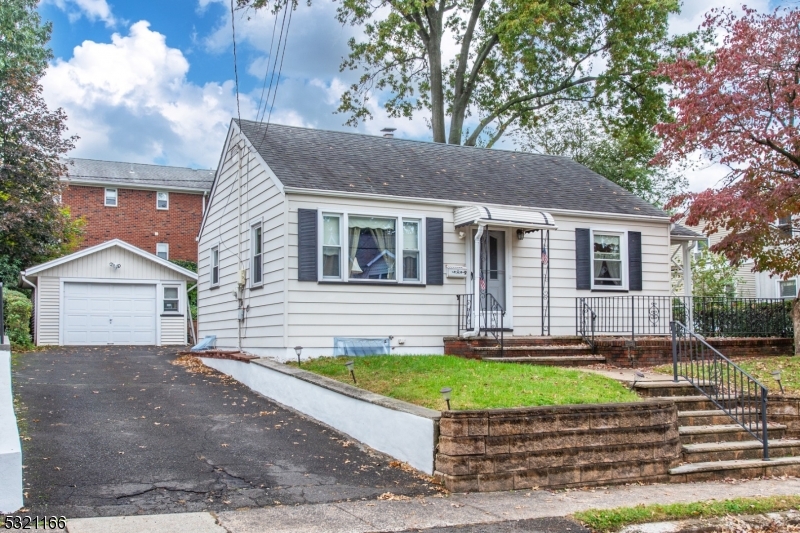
{"x": 456, "y": 271}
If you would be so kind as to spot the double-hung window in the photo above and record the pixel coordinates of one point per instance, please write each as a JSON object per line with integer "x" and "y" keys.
{"x": 215, "y": 266}
{"x": 787, "y": 288}
{"x": 608, "y": 259}
{"x": 111, "y": 198}
{"x": 162, "y": 250}
{"x": 171, "y": 300}
{"x": 370, "y": 248}
{"x": 256, "y": 259}
{"x": 785, "y": 225}
{"x": 162, "y": 200}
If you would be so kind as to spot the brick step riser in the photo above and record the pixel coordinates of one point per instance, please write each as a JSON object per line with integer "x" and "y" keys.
{"x": 738, "y": 455}
{"x": 733, "y": 436}
{"x": 710, "y": 420}
{"x": 748, "y": 473}
{"x": 668, "y": 391}
{"x": 533, "y": 353}
{"x": 565, "y": 362}
{"x": 525, "y": 341}
{"x": 707, "y": 405}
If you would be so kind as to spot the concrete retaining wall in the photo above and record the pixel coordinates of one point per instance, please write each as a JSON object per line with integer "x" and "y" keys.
{"x": 406, "y": 432}
{"x": 10, "y": 448}
{"x": 554, "y": 447}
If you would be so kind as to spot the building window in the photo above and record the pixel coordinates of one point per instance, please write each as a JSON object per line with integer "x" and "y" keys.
{"x": 787, "y": 288}
{"x": 362, "y": 247}
{"x": 111, "y": 198}
{"x": 785, "y": 225}
{"x": 171, "y": 300}
{"x": 331, "y": 247}
{"x": 372, "y": 248}
{"x": 214, "y": 266}
{"x": 162, "y": 250}
{"x": 256, "y": 261}
{"x": 162, "y": 200}
{"x": 411, "y": 270}
{"x": 607, "y": 260}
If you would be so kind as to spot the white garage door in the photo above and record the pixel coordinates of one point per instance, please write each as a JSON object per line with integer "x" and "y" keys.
{"x": 106, "y": 313}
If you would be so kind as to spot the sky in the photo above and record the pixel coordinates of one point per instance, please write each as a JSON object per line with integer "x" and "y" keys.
{"x": 152, "y": 81}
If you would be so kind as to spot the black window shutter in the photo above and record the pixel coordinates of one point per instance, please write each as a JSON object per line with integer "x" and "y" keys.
{"x": 635, "y": 260}
{"x": 434, "y": 251}
{"x": 307, "y": 244}
{"x": 583, "y": 256}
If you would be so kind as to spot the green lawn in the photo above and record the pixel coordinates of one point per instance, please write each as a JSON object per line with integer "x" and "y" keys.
{"x": 476, "y": 384}
{"x": 602, "y": 521}
{"x": 761, "y": 368}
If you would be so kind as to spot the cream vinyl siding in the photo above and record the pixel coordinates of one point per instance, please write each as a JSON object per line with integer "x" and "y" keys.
{"x": 262, "y": 201}
{"x": 96, "y": 266}
{"x": 318, "y": 312}
{"x": 173, "y": 330}
{"x": 48, "y": 294}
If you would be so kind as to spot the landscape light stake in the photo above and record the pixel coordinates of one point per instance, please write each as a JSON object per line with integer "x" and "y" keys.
{"x": 298, "y": 350}
{"x": 637, "y": 376}
{"x": 446, "y": 395}
{"x": 777, "y": 376}
{"x": 350, "y": 365}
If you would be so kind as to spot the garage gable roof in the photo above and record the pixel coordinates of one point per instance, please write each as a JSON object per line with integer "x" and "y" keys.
{"x": 109, "y": 244}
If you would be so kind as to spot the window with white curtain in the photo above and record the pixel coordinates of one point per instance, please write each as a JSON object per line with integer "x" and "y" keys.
{"x": 374, "y": 248}
{"x": 607, "y": 259}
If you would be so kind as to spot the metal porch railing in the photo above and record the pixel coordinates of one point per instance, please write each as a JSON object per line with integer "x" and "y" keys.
{"x": 490, "y": 316}
{"x": 729, "y": 387}
{"x": 586, "y": 322}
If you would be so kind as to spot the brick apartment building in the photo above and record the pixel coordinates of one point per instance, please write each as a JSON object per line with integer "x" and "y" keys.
{"x": 156, "y": 208}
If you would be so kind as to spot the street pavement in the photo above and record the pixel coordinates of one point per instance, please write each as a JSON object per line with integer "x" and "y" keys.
{"x": 113, "y": 431}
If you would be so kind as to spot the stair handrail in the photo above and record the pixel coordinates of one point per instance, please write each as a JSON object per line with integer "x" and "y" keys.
{"x": 586, "y": 314}
{"x": 493, "y": 317}
{"x": 722, "y": 381}
{"x": 464, "y": 318}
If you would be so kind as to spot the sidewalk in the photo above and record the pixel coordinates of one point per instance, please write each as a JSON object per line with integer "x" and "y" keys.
{"x": 429, "y": 512}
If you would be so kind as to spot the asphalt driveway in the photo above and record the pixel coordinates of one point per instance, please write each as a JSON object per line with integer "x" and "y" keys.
{"x": 121, "y": 430}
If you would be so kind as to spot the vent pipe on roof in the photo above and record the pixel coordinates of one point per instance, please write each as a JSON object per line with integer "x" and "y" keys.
{"x": 388, "y": 132}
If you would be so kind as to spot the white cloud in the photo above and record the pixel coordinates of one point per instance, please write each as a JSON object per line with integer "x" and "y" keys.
{"x": 130, "y": 100}
{"x": 91, "y": 9}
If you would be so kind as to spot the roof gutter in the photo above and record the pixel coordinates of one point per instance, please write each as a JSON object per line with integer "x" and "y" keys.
{"x": 455, "y": 203}
{"x": 129, "y": 185}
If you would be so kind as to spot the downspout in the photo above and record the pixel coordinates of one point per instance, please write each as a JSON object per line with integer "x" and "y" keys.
{"x": 476, "y": 283}
{"x": 240, "y": 286}
{"x": 189, "y": 313}
{"x": 35, "y": 310}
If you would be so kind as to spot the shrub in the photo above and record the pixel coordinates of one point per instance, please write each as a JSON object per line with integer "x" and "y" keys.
{"x": 189, "y": 265}
{"x": 17, "y": 310}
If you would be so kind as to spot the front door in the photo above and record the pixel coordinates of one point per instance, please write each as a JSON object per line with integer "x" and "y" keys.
{"x": 493, "y": 269}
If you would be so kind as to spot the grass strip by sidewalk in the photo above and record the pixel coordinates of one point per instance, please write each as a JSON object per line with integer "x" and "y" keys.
{"x": 761, "y": 368}
{"x": 476, "y": 384}
{"x": 608, "y": 520}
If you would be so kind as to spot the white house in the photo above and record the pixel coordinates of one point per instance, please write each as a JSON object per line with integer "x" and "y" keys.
{"x": 329, "y": 240}
{"x": 111, "y": 293}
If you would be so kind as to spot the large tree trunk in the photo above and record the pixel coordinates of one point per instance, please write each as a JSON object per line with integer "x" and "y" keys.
{"x": 796, "y": 323}
{"x": 435, "y": 69}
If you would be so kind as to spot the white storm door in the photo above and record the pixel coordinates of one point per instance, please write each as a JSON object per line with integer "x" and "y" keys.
{"x": 109, "y": 313}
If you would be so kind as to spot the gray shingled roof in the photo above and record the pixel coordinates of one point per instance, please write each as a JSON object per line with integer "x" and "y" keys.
{"x": 113, "y": 172}
{"x": 350, "y": 162}
{"x": 679, "y": 230}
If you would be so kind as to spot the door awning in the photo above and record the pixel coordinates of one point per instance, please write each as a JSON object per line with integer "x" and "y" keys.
{"x": 508, "y": 217}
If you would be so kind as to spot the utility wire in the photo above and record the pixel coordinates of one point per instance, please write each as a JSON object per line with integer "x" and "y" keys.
{"x": 274, "y": 61}
{"x": 280, "y": 70}
{"x": 235, "y": 66}
{"x": 266, "y": 74}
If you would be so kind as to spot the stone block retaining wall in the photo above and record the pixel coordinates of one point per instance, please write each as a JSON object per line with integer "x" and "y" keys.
{"x": 576, "y": 445}
{"x": 654, "y": 351}
{"x": 785, "y": 409}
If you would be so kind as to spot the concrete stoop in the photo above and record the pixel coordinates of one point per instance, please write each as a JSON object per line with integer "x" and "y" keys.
{"x": 550, "y": 351}
{"x": 714, "y": 446}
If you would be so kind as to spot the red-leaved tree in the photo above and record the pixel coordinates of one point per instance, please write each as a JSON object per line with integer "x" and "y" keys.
{"x": 741, "y": 107}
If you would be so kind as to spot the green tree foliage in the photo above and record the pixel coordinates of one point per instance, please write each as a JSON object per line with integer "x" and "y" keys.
{"x": 33, "y": 225}
{"x": 624, "y": 158}
{"x": 17, "y": 310}
{"x": 713, "y": 275}
{"x": 514, "y": 60}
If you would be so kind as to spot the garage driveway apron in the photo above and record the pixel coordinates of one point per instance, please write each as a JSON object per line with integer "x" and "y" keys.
{"x": 120, "y": 430}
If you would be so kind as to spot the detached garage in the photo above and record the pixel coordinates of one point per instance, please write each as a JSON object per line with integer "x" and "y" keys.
{"x": 112, "y": 293}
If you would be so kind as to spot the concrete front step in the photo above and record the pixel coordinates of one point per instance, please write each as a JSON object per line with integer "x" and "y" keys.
{"x": 745, "y": 469}
{"x": 737, "y": 451}
{"x": 666, "y": 388}
{"x": 534, "y": 351}
{"x": 710, "y": 417}
{"x": 698, "y": 402}
{"x": 725, "y": 433}
{"x": 576, "y": 360}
